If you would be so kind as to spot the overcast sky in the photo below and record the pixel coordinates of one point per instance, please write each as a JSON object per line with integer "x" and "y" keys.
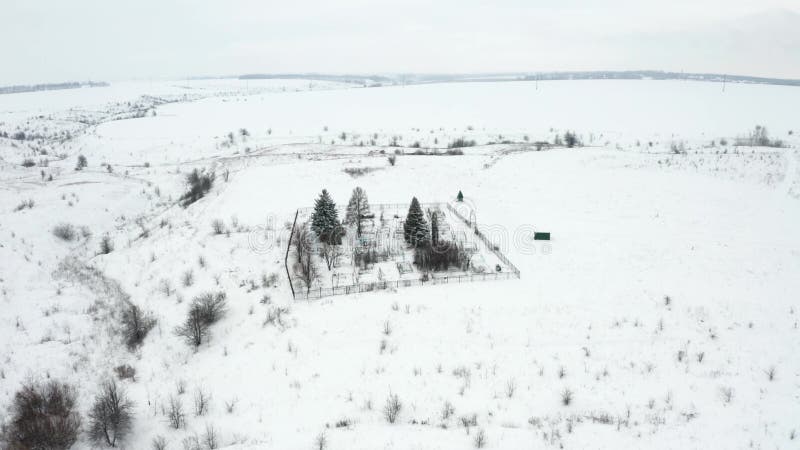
{"x": 59, "y": 40}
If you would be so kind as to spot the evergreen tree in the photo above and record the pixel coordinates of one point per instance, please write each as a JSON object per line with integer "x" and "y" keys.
{"x": 325, "y": 219}
{"x": 460, "y": 196}
{"x": 415, "y": 229}
{"x": 357, "y": 209}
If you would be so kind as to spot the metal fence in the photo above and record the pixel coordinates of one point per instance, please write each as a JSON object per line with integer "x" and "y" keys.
{"x": 494, "y": 249}
{"x": 316, "y": 293}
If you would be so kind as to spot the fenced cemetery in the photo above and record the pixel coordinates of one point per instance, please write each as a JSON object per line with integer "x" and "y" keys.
{"x": 387, "y": 246}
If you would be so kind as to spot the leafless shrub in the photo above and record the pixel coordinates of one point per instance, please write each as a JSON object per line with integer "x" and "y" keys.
{"x": 187, "y": 278}
{"x": 447, "y": 410}
{"x": 391, "y": 410}
{"x": 43, "y": 417}
{"x": 231, "y": 405}
{"x": 205, "y": 309}
{"x": 275, "y": 316}
{"x": 480, "y": 439}
{"x": 110, "y": 416}
{"x": 106, "y": 245}
{"x": 566, "y": 397}
{"x": 727, "y": 394}
{"x": 210, "y": 438}
{"x": 24, "y": 204}
{"x": 198, "y": 184}
{"x": 201, "y": 402}
{"x": 135, "y": 325}
{"x": 511, "y": 387}
{"x": 165, "y": 286}
{"x": 321, "y": 442}
{"x": 770, "y": 373}
{"x": 269, "y": 280}
{"x": 356, "y": 172}
{"x": 175, "y": 415}
{"x": 218, "y": 226}
{"x": 387, "y": 328}
{"x": 125, "y": 372}
{"x": 392, "y": 159}
{"x": 65, "y": 232}
{"x": 468, "y": 421}
{"x": 678, "y": 148}
{"x": 159, "y": 443}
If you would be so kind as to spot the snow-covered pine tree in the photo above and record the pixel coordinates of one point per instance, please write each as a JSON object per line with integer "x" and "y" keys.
{"x": 415, "y": 229}
{"x": 325, "y": 219}
{"x": 357, "y": 208}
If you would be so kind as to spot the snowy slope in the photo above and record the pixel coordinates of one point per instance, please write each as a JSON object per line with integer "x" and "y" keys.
{"x": 713, "y": 230}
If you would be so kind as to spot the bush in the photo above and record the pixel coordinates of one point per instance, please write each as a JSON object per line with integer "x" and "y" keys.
{"x": 440, "y": 256}
{"x": 480, "y": 439}
{"x": 65, "y": 231}
{"x": 125, "y": 372}
{"x": 760, "y": 137}
{"x": 44, "y": 417}
{"x": 571, "y": 139}
{"x": 392, "y": 159}
{"x": 25, "y": 204}
{"x": 110, "y": 418}
{"x": 205, "y": 310}
{"x": 461, "y": 142}
{"x": 218, "y": 226}
{"x": 135, "y": 325}
{"x": 106, "y": 245}
{"x": 391, "y": 410}
{"x": 175, "y": 415}
{"x": 28, "y": 162}
{"x": 566, "y": 397}
{"x": 198, "y": 184}
{"x": 82, "y": 162}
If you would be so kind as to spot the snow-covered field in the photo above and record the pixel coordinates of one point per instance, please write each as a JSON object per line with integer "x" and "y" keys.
{"x": 667, "y": 296}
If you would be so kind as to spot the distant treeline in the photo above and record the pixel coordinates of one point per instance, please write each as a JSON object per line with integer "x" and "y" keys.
{"x": 50, "y": 86}
{"x": 418, "y": 78}
{"x": 318, "y": 76}
{"x": 658, "y": 75}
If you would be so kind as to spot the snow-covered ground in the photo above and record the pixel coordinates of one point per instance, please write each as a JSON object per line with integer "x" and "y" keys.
{"x": 667, "y": 294}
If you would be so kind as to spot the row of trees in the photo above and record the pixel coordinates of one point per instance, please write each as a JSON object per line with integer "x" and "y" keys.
{"x": 45, "y": 416}
{"x": 430, "y": 251}
{"x": 325, "y": 219}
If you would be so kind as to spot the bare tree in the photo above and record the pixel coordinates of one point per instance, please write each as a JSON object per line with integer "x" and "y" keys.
{"x": 305, "y": 268}
{"x": 175, "y": 415}
{"x": 194, "y": 329}
{"x": 330, "y": 253}
{"x": 136, "y": 324}
{"x": 110, "y": 417}
{"x": 205, "y": 309}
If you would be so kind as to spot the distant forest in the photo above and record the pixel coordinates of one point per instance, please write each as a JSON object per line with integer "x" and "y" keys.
{"x": 50, "y": 86}
{"x": 659, "y": 75}
{"x": 412, "y": 78}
